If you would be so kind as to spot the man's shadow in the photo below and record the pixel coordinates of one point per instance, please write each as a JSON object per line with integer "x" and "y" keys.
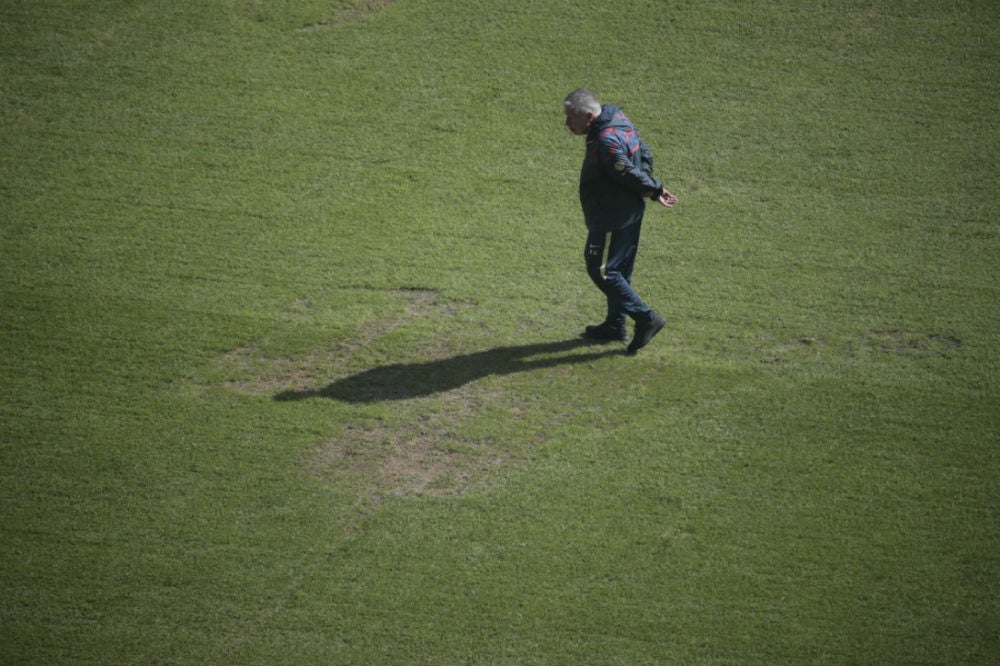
{"x": 401, "y": 381}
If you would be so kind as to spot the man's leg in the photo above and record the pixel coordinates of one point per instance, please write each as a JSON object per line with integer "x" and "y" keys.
{"x": 618, "y": 274}
{"x": 618, "y": 278}
{"x": 613, "y": 276}
{"x": 594, "y": 257}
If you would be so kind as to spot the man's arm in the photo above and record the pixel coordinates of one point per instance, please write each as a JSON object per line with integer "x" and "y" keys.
{"x": 615, "y": 159}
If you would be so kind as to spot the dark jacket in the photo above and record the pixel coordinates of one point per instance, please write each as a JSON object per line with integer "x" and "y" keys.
{"x": 617, "y": 169}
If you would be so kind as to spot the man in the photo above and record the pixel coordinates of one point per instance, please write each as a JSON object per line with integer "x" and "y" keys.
{"x": 615, "y": 180}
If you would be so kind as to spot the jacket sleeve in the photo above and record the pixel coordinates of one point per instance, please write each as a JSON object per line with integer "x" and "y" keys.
{"x": 647, "y": 157}
{"x": 627, "y": 161}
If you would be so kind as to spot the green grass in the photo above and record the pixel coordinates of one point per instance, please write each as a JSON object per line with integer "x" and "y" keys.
{"x": 287, "y": 292}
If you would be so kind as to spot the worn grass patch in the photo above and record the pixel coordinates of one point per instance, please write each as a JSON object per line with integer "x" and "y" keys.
{"x": 425, "y": 455}
{"x": 421, "y": 447}
{"x": 281, "y": 359}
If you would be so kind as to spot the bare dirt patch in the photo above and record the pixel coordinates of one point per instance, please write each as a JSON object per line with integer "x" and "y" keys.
{"x": 422, "y": 455}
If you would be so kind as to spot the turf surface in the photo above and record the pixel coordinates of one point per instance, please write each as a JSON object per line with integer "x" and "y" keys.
{"x": 289, "y": 295}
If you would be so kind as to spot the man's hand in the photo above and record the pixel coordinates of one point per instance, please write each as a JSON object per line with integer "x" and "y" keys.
{"x": 666, "y": 199}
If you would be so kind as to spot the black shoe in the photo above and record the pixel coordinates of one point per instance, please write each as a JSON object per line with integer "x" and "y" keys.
{"x": 605, "y": 333}
{"x": 644, "y": 332}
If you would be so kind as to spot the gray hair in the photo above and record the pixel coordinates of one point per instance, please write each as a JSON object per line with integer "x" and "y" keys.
{"x": 582, "y": 101}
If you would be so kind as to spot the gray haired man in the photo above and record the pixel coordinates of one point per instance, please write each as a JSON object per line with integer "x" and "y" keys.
{"x": 615, "y": 180}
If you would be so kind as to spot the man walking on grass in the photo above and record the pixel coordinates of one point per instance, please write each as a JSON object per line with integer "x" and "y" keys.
{"x": 615, "y": 180}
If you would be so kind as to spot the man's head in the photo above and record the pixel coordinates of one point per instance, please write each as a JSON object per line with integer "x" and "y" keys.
{"x": 582, "y": 109}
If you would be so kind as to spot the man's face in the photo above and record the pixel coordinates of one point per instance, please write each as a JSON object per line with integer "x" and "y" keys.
{"x": 578, "y": 123}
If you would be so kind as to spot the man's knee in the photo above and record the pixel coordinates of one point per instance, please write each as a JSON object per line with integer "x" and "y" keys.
{"x": 614, "y": 277}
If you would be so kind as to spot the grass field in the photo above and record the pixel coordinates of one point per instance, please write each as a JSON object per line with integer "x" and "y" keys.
{"x": 289, "y": 298}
